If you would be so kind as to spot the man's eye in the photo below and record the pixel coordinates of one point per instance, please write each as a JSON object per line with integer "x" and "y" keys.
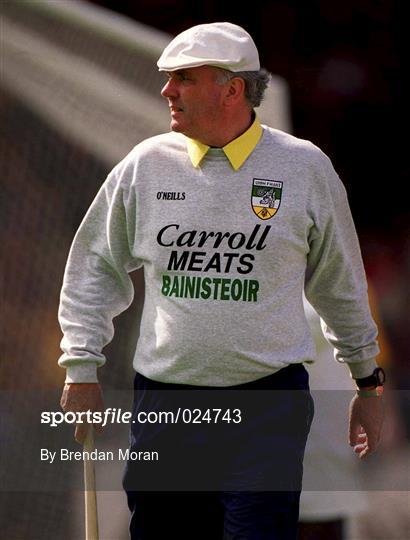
{"x": 181, "y": 77}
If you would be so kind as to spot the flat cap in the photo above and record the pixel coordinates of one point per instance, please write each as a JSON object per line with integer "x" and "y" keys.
{"x": 220, "y": 44}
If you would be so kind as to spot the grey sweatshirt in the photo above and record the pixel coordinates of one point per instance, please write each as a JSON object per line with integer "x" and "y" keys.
{"x": 226, "y": 256}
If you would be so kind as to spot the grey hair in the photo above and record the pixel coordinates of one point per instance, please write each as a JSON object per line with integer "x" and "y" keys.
{"x": 256, "y": 83}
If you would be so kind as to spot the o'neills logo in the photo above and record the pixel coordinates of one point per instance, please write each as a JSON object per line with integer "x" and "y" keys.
{"x": 266, "y": 197}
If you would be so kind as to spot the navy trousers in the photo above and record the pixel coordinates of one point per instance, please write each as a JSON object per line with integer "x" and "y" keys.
{"x": 220, "y": 480}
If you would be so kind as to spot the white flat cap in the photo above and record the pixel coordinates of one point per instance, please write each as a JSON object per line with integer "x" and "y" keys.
{"x": 222, "y": 44}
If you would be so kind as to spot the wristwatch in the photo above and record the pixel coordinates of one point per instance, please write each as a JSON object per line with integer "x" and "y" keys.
{"x": 377, "y": 378}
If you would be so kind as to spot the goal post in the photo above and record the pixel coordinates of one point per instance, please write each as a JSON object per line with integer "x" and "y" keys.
{"x": 91, "y": 74}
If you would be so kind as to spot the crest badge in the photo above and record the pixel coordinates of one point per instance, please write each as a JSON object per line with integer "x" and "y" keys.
{"x": 266, "y": 197}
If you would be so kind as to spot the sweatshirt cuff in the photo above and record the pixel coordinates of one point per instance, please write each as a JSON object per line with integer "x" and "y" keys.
{"x": 359, "y": 370}
{"x": 82, "y": 373}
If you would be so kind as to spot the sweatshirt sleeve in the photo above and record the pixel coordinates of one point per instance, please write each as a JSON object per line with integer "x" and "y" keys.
{"x": 335, "y": 282}
{"x": 96, "y": 285}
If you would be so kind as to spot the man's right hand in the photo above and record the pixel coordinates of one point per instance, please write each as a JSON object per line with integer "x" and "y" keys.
{"x": 82, "y": 397}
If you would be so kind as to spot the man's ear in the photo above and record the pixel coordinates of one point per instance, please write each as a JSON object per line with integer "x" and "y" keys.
{"x": 235, "y": 90}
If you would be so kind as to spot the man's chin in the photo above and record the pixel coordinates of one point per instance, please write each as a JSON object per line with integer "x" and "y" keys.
{"x": 177, "y": 127}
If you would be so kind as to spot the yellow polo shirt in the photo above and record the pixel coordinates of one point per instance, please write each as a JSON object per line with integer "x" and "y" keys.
{"x": 237, "y": 151}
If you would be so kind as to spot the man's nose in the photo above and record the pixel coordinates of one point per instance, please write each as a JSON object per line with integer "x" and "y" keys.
{"x": 169, "y": 89}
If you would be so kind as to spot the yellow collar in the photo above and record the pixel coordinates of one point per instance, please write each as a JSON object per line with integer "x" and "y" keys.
{"x": 237, "y": 151}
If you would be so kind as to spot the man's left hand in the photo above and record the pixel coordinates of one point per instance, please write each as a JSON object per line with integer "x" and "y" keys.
{"x": 365, "y": 424}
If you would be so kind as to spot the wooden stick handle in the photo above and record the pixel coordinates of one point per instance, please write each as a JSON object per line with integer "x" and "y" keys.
{"x": 91, "y": 513}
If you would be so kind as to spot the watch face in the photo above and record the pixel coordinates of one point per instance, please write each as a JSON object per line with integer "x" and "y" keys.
{"x": 377, "y": 378}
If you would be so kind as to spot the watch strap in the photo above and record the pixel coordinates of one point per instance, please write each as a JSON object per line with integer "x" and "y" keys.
{"x": 375, "y": 392}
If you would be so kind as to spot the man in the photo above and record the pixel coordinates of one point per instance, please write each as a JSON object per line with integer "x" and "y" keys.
{"x": 231, "y": 221}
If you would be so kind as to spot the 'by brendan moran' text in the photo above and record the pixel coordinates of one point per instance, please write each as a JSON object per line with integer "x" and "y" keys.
{"x": 98, "y": 455}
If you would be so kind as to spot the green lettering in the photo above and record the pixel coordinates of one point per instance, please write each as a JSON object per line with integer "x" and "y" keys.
{"x": 198, "y": 287}
{"x": 245, "y": 290}
{"x": 253, "y": 290}
{"x": 236, "y": 289}
{"x": 174, "y": 290}
{"x": 225, "y": 289}
{"x": 216, "y": 282}
{"x": 206, "y": 288}
{"x": 166, "y": 281}
{"x": 189, "y": 287}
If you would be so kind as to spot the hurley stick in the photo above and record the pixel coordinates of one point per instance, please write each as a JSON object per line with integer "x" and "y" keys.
{"x": 91, "y": 515}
